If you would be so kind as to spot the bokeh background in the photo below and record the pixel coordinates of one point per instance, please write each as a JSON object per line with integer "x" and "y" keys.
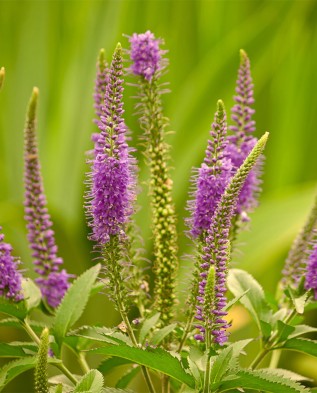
{"x": 54, "y": 45}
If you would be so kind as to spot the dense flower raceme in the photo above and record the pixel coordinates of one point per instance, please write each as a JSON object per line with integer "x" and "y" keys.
{"x": 146, "y": 55}
{"x": 311, "y": 272}
{"x": 216, "y": 252}
{"x": 52, "y": 281}
{"x": 212, "y": 177}
{"x": 113, "y": 169}
{"x": 10, "y": 277}
{"x": 241, "y": 142}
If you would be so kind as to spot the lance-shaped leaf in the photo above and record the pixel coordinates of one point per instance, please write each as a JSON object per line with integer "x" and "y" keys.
{"x": 92, "y": 382}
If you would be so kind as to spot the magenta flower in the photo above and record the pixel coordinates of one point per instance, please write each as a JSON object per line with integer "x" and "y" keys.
{"x": 211, "y": 178}
{"x": 145, "y": 54}
{"x": 52, "y": 282}
{"x": 113, "y": 173}
{"x": 10, "y": 277}
{"x": 311, "y": 272}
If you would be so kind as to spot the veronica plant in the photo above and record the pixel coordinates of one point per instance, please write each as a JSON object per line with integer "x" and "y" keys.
{"x": 174, "y": 350}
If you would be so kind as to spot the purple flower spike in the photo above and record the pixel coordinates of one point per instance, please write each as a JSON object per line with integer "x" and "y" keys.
{"x": 145, "y": 54}
{"x": 10, "y": 277}
{"x": 241, "y": 143}
{"x": 40, "y": 234}
{"x": 212, "y": 177}
{"x": 216, "y": 254}
{"x": 242, "y": 111}
{"x": 113, "y": 173}
{"x": 311, "y": 274}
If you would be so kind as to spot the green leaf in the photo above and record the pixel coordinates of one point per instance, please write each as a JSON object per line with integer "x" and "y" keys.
{"x": 101, "y": 334}
{"x": 284, "y": 330}
{"x": 235, "y": 300}
{"x": 74, "y": 303}
{"x": 32, "y": 294}
{"x": 291, "y": 375}
{"x": 92, "y": 382}
{"x": 301, "y": 345}
{"x": 227, "y": 360}
{"x": 266, "y": 329}
{"x": 299, "y": 302}
{"x": 12, "y": 308}
{"x": 37, "y": 326}
{"x": 17, "y": 349}
{"x": 159, "y": 335}
{"x": 262, "y": 380}
{"x": 128, "y": 377}
{"x": 11, "y": 370}
{"x": 220, "y": 365}
{"x": 302, "y": 329}
{"x": 253, "y": 300}
{"x": 107, "y": 365}
{"x": 148, "y": 324}
{"x": 156, "y": 359}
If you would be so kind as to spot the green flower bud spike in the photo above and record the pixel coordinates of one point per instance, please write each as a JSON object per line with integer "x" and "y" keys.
{"x": 153, "y": 122}
{"x": 2, "y": 75}
{"x": 41, "y": 377}
{"x": 296, "y": 260}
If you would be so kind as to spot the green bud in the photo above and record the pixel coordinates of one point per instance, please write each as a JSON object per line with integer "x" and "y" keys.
{"x": 41, "y": 377}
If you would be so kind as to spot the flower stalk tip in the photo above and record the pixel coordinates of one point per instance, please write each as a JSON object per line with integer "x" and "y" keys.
{"x": 31, "y": 113}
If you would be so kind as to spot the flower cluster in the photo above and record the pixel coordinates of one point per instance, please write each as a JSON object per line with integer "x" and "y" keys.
{"x": 10, "y": 277}
{"x": 212, "y": 177}
{"x": 145, "y": 54}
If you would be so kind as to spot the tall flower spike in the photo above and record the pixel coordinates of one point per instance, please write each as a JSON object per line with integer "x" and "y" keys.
{"x": 241, "y": 143}
{"x": 2, "y": 75}
{"x": 10, "y": 277}
{"x": 102, "y": 79}
{"x": 311, "y": 273}
{"x": 147, "y": 63}
{"x": 52, "y": 282}
{"x": 216, "y": 252}
{"x": 212, "y": 177}
{"x": 113, "y": 170}
{"x": 41, "y": 375}
{"x": 295, "y": 264}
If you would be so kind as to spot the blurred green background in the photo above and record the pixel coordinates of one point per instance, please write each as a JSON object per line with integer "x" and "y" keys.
{"x": 54, "y": 45}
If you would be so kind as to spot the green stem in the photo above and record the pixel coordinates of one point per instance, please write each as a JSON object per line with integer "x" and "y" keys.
{"x": 30, "y": 332}
{"x": 66, "y": 372}
{"x": 271, "y": 343}
{"x": 275, "y": 358}
{"x": 165, "y": 384}
{"x": 207, "y": 374}
{"x": 83, "y": 363}
{"x": 186, "y": 332}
